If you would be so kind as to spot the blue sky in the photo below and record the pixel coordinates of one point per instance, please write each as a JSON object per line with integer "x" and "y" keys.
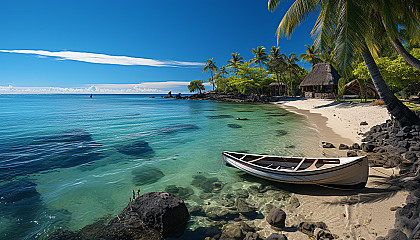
{"x": 131, "y": 46}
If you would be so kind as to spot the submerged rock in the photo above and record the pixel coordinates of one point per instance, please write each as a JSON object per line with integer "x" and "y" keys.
{"x": 276, "y": 236}
{"x": 176, "y": 128}
{"x": 281, "y": 133}
{"x": 208, "y": 185}
{"x": 183, "y": 193}
{"x": 220, "y": 116}
{"x": 327, "y": 145}
{"x": 138, "y": 148}
{"x": 234, "y": 126}
{"x": 144, "y": 175}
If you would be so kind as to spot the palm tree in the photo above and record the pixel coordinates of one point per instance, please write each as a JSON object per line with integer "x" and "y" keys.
{"x": 234, "y": 62}
{"x": 223, "y": 72}
{"x": 354, "y": 30}
{"x": 210, "y": 66}
{"x": 311, "y": 55}
{"x": 276, "y": 63}
{"x": 291, "y": 66}
{"x": 260, "y": 56}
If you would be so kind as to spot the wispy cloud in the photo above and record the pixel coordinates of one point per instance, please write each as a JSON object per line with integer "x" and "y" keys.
{"x": 146, "y": 87}
{"x": 106, "y": 59}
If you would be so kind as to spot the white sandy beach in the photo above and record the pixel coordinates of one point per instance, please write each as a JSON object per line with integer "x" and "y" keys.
{"x": 366, "y": 214}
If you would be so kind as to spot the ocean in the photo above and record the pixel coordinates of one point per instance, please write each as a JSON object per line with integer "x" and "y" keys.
{"x": 68, "y": 160}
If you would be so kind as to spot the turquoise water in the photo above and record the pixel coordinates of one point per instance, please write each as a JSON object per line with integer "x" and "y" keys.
{"x": 68, "y": 160}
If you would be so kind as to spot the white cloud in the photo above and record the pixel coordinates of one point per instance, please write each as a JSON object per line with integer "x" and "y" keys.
{"x": 140, "y": 88}
{"x": 106, "y": 59}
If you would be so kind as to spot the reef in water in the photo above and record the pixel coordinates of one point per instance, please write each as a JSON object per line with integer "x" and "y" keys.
{"x": 20, "y": 206}
{"x": 220, "y": 116}
{"x": 144, "y": 175}
{"x": 48, "y": 152}
{"x": 234, "y": 126}
{"x": 138, "y": 148}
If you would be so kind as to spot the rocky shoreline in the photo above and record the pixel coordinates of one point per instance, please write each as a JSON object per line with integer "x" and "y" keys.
{"x": 227, "y": 97}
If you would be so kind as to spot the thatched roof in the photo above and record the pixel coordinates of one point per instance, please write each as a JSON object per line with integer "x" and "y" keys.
{"x": 322, "y": 74}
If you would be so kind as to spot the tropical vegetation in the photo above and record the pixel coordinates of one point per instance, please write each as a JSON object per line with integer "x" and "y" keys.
{"x": 357, "y": 28}
{"x": 196, "y": 85}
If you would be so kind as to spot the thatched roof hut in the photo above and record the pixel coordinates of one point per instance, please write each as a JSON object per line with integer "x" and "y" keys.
{"x": 323, "y": 74}
{"x": 321, "y": 82}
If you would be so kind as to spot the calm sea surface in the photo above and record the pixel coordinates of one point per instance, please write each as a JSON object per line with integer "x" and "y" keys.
{"x": 68, "y": 160}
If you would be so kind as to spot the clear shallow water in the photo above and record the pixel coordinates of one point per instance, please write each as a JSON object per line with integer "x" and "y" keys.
{"x": 68, "y": 160}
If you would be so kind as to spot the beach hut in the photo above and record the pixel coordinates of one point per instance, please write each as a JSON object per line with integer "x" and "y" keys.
{"x": 274, "y": 89}
{"x": 366, "y": 91}
{"x": 321, "y": 82}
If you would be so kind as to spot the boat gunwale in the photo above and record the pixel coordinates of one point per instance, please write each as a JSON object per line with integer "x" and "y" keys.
{"x": 337, "y": 167}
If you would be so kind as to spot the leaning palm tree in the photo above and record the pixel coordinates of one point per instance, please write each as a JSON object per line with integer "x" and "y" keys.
{"x": 276, "y": 64}
{"x": 354, "y": 31}
{"x": 211, "y": 67}
{"x": 260, "y": 56}
{"x": 223, "y": 72}
{"x": 291, "y": 66}
{"x": 234, "y": 62}
{"x": 311, "y": 55}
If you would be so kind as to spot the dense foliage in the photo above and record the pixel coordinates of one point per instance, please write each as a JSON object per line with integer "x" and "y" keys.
{"x": 397, "y": 73}
{"x": 196, "y": 85}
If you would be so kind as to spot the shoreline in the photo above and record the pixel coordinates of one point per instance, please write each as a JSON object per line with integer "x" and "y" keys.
{"x": 365, "y": 214}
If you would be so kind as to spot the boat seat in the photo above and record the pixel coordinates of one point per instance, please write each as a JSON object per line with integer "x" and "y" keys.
{"x": 300, "y": 164}
{"x": 258, "y": 159}
{"x": 313, "y": 165}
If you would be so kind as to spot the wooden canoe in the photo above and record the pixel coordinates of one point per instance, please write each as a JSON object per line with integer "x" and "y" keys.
{"x": 346, "y": 172}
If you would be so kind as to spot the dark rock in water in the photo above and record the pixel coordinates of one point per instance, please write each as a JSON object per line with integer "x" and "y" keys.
{"x": 197, "y": 211}
{"x": 355, "y": 146}
{"x": 183, "y": 193}
{"x": 294, "y": 202}
{"x": 364, "y": 123}
{"x": 327, "y": 145}
{"x": 343, "y": 147}
{"x": 234, "y": 126}
{"x": 208, "y": 185}
{"x": 276, "y": 217}
{"x": 290, "y": 146}
{"x": 178, "y": 96}
{"x": 276, "y": 236}
{"x": 278, "y": 115}
{"x": 245, "y": 111}
{"x": 242, "y": 206}
{"x": 235, "y": 231}
{"x": 31, "y": 155}
{"x": 220, "y": 116}
{"x": 281, "y": 133}
{"x": 241, "y": 118}
{"x": 351, "y": 153}
{"x": 160, "y": 211}
{"x": 220, "y": 213}
{"x": 176, "y": 128}
{"x": 138, "y": 148}
{"x": 20, "y": 202}
{"x": 144, "y": 175}
{"x": 169, "y": 95}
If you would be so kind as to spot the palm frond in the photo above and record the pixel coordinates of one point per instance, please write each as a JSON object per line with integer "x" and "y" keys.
{"x": 299, "y": 11}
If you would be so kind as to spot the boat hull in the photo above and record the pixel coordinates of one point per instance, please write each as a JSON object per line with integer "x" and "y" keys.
{"x": 350, "y": 175}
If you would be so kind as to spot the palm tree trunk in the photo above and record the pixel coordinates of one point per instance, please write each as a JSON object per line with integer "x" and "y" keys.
{"x": 278, "y": 81}
{"x": 395, "y": 107}
{"x": 291, "y": 83}
{"x": 405, "y": 54}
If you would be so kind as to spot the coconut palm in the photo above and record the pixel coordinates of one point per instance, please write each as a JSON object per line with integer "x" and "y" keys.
{"x": 234, "y": 62}
{"x": 291, "y": 66}
{"x": 276, "y": 63}
{"x": 223, "y": 72}
{"x": 260, "y": 56}
{"x": 211, "y": 67}
{"x": 349, "y": 24}
{"x": 312, "y": 55}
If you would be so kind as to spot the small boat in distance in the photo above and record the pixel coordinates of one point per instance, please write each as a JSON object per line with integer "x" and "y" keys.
{"x": 346, "y": 172}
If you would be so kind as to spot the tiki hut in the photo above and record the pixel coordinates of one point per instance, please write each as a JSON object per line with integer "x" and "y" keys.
{"x": 321, "y": 82}
{"x": 366, "y": 90}
{"x": 274, "y": 89}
